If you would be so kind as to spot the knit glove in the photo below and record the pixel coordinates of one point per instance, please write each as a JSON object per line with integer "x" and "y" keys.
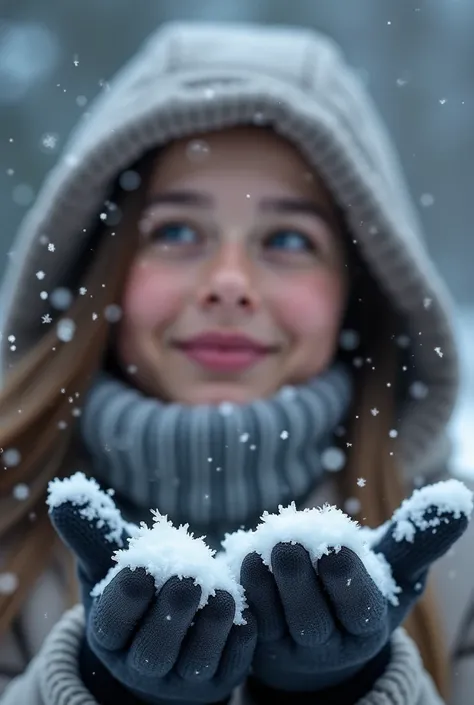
{"x": 326, "y": 627}
{"x": 143, "y": 647}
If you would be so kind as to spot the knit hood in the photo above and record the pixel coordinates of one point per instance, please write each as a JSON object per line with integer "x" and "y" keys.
{"x": 193, "y": 77}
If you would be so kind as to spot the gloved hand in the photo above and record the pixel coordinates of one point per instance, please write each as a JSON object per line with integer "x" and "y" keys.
{"x": 325, "y": 625}
{"x": 146, "y": 647}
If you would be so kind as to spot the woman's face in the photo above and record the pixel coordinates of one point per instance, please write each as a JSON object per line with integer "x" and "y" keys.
{"x": 239, "y": 284}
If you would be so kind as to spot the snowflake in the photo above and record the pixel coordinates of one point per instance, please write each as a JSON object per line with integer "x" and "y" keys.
{"x": 46, "y": 318}
{"x": 51, "y": 247}
{"x": 438, "y": 352}
{"x": 83, "y": 291}
{"x": 40, "y": 275}
{"x": 361, "y": 482}
{"x": 94, "y": 316}
{"x": 284, "y": 435}
{"x": 374, "y": 412}
{"x": 49, "y": 141}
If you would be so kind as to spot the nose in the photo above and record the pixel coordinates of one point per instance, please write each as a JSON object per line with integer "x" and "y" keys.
{"x": 229, "y": 285}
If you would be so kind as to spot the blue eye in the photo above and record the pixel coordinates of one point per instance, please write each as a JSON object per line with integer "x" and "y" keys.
{"x": 175, "y": 234}
{"x": 290, "y": 240}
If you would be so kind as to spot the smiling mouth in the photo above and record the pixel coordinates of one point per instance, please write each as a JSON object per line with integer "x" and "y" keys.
{"x": 225, "y": 358}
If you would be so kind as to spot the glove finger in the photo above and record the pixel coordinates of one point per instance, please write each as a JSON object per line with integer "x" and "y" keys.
{"x": 307, "y": 610}
{"x": 262, "y": 597}
{"x": 202, "y": 648}
{"x": 92, "y": 539}
{"x": 117, "y": 612}
{"x": 157, "y": 642}
{"x": 358, "y": 604}
{"x": 238, "y": 652}
{"x": 411, "y": 550}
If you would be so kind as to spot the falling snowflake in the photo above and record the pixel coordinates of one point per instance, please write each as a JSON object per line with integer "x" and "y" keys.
{"x": 46, "y": 318}
{"x": 333, "y": 459}
{"x": 8, "y": 583}
{"x": 393, "y": 433}
{"x": 284, "y": 435}
{"x": 427, "y": 200}
{"x": 95, "y": 316}
{"x": 374, "y": 411}
{"x": 21, "y": 491}
{"x": 11, "y": 338}
{"x": 49, "y": 141}
{"x": 113, "y": 313}
{"x": 226, "y": 408}
{"x": 44, "y": 295}
{"x": 442, "y": 101}
{"x": 427, "y": 302}
{"x": 438, "y": 352}
{"x": 361, "y": 482}
{"x": 244, "y": 438}
{"x": 66, "y": 329}
{"x": 83, "y": 291}
{"x": 11, "y": 457}
{"x": 349, "y": 339}
{"x": 40, "y": 275}
{"x": 51, "y": 247}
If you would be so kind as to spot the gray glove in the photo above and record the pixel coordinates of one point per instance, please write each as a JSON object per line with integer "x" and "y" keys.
{"x": 321, "y": 625}
{"x": 146, "y": 647}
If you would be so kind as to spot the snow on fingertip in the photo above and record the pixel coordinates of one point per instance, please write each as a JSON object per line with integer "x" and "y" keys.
{"x": 95, "y": 504}
{"x": 166, "y": 551}
{"x": 318, "y": 530}
{"x": 448, "y": 497}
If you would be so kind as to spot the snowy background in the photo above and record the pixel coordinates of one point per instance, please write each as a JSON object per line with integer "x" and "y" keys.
{"x": 417, "y": 57}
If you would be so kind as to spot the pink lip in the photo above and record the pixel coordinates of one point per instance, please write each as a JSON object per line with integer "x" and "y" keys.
{"x": 225, "y": 352}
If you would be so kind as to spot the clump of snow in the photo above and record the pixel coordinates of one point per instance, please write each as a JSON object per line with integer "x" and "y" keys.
{"x": 95, "y": 504}
{"x": 449, "y": 497}
{"x": 166, "y": 551}
{"x": 318, "y": 530}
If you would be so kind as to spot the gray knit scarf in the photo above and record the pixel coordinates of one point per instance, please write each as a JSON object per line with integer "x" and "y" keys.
{"x": 216, "y": 467}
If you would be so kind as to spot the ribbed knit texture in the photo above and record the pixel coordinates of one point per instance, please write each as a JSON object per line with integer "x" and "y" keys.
{"x": 216, "y": 467}
{"x": 190, "y": 78}
{"x": 403, "y": 683}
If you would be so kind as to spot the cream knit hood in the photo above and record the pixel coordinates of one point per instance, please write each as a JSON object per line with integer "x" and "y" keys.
{"x": 191, "y": 77}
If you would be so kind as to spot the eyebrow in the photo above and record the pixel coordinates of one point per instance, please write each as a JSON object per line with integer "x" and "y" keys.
{"x": 270, "y": 205}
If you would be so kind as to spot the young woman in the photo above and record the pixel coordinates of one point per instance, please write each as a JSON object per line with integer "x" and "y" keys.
{"x": 221, "y": 303}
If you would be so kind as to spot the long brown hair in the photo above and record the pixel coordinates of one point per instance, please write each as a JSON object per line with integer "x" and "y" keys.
{"x": 50, "y": 380}
{"x": 373, "y": 452}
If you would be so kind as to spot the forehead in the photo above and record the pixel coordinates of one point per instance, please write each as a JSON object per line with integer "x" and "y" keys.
{"x": 250, "y": 155}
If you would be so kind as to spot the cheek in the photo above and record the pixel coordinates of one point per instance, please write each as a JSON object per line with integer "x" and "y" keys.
{"x": 152, "y": 297}
{"x": 311, "y": 306}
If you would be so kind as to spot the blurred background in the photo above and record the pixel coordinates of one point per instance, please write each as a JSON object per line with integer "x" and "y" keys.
{"x": 416, "y": 56}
